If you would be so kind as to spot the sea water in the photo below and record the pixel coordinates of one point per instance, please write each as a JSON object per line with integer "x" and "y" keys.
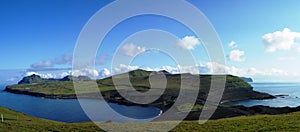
{"x": 289, "y": 95}
{"x": 69, "y": 110}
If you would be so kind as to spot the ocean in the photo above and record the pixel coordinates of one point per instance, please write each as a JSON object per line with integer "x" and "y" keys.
{"x": 290, "y": 95}
{"x": 69, "y": 110}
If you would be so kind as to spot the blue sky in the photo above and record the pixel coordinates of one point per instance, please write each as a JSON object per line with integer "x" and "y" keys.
{"x": 38, "y": 35}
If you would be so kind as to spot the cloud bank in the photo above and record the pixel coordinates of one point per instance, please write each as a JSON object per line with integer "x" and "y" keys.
{"x": 64, "y": 59}
{"x": 42, "y": 64}
{"x": 281, "y": 40}
{"x": 67, "y": 59}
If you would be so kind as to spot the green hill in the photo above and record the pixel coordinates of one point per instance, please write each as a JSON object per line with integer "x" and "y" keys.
{"x": 15, "y": 121}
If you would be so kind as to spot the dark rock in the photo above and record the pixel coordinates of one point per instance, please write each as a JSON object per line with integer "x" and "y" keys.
{"x": 281, "y": 95}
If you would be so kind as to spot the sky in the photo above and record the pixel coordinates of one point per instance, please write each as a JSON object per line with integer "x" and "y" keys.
{"x": 260, "y": 39}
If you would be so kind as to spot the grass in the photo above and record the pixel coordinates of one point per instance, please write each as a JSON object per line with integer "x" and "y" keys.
{"x": 285, "y": 122}
{"x": 33, "y": 124}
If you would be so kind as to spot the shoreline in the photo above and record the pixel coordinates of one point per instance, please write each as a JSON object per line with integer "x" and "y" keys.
{"x": 112, "y": 100}
{"x": 221, "y": 112}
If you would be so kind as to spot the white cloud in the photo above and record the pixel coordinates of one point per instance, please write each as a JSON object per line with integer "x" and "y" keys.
{"x": 170, "y": 69}
{"x": 132, "y": 49}
{"x": 236, "y": 55}
{"x": 123, "y": 68}
{"x": 86, "y": 72}
{"x": 281, "y": 40}
{"x": 46, "y": 75}
{"x": 67, "y": 59}
{"x": 148, "y": 69}
{"x": 188, "y": 69}
{"x": 49, "y": 75}
{"x": 180, "y": 69}
{"x": 212, "y": 67}
{"x": 205, "y": 68}
{"x": 232, "y": 44}
{"x": 216, "y": 68}
{"x": 105, "y": 73}
{"x": 42, "y": 64}
{"x": 188, "y": 42}
{"x": 64, "y": 59}
{"x": 63, "y": 74}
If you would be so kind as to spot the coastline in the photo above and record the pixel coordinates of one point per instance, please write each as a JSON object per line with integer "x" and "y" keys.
{"x": 223, "y": 111}
{"x": 262, "y": 96}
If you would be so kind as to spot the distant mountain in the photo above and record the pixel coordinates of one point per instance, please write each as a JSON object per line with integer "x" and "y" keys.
{"x": 247, "y": 79}
{"x": 38, "y": 79}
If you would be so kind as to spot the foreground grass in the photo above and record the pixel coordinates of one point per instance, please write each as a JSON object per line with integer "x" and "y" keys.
{"x": 18, "y": 122}
{"x": 15, "y": 121}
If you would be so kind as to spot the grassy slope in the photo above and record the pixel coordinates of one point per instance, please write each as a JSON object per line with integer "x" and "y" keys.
{"x": 15, "y": 121}
{"x": 286, "y": 122}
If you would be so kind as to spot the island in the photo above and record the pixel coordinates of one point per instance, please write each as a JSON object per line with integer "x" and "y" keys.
{"x": 235, "y": 89}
